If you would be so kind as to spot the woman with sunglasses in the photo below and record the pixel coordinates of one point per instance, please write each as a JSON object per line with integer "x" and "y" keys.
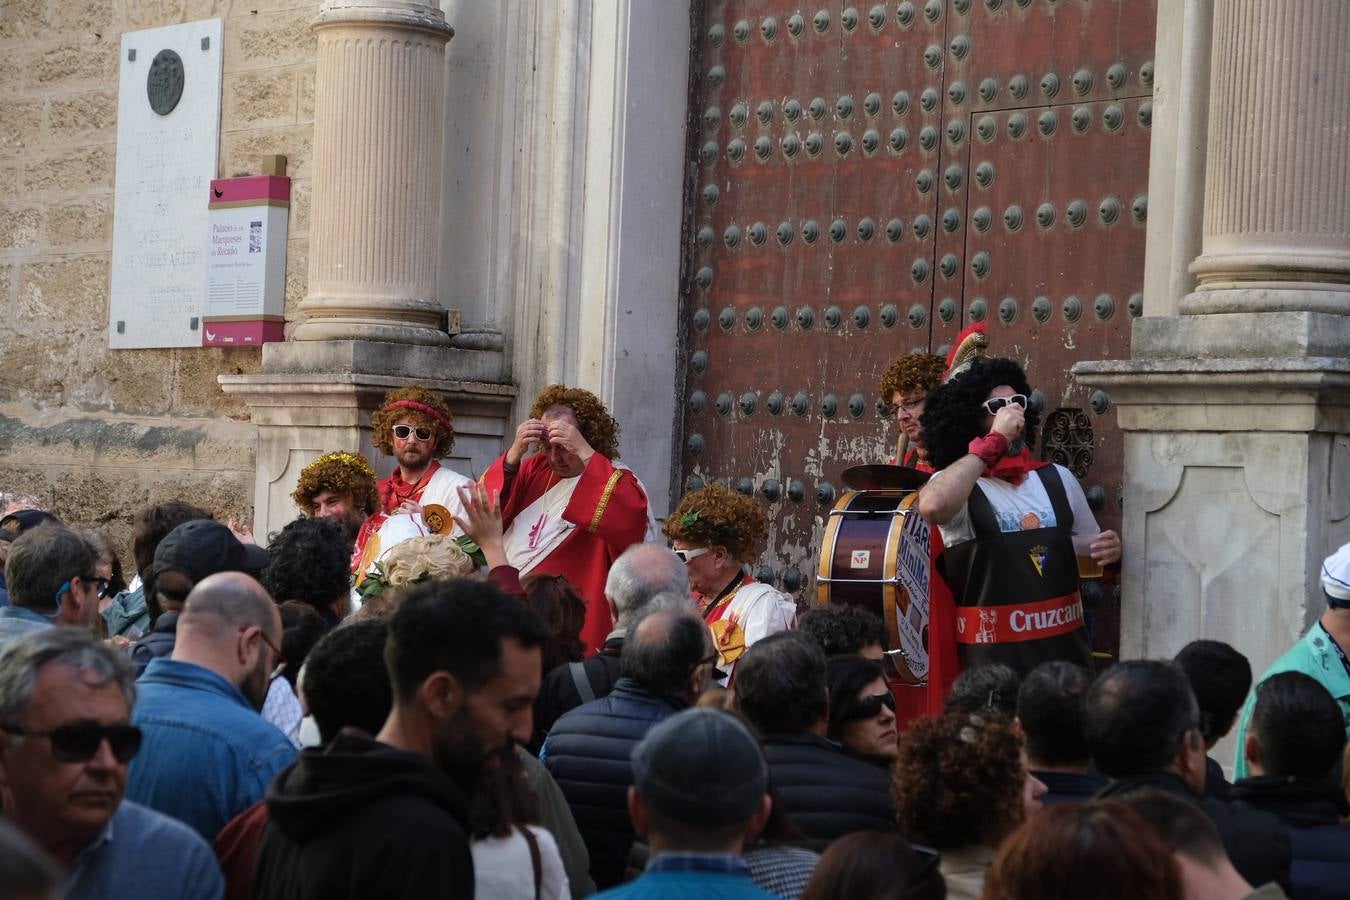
{"x": 718, "y": 532}
{"x": 862, "y": 709}
{"x": 1008, "y": 522}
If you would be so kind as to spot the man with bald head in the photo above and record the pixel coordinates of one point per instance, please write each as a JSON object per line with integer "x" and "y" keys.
{"x": 208, "y": 755}
{"x": 667, "y": 663}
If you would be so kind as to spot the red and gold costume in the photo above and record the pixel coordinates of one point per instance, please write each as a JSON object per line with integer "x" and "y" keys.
{"x": 575, "y": 527}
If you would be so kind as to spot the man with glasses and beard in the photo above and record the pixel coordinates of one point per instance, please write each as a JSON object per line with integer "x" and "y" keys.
{"x": 388, "y": 816}
{"x": 1008, "y": 522}
{"x": 208, "y": 754}
{"x": 65, "y": 742}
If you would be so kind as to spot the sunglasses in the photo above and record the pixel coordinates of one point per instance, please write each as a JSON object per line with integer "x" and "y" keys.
{"x": 869, "y": 707}
{"x": 403, "y": 432}
{"x": 686, "y": 555}
{"x": 929, "y": 858}
{"x": 994, "y": 404}
{"x": 79, "y": 742}
{"x": 102, "y": 583}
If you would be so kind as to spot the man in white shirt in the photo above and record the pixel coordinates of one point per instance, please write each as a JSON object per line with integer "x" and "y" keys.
{"x": 1008, "y": 523}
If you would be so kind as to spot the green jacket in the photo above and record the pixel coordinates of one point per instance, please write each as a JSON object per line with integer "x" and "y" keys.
{"x": 1315, "y": 655}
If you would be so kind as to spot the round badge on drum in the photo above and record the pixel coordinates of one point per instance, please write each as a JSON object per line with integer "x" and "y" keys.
{"x": 438, "y": 518}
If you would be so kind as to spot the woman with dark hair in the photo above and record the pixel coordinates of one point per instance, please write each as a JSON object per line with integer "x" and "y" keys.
{"x": 1059, "y": 853}
{"x": 513, "y": 858}
{"x": 870, "y": 865}
{"x": 961, "y": 785}
{"x": 564, "y": 611}
{"x": 301, "y": 628}
{"x": 862, "y": 709}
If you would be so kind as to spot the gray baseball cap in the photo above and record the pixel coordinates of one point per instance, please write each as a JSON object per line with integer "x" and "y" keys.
{"x": 701, "y": 766}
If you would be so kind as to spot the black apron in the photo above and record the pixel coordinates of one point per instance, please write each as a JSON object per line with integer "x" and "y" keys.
{"x": 1016, "y": 592}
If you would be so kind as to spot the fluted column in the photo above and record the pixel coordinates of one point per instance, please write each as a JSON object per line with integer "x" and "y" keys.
{"x": 1277, "y": 187}
{"x": 378, "y": 119}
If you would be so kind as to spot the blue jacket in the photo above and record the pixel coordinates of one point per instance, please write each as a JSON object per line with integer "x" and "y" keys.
{"x": 207, "y": 754}
{"x": 677, "y": 876}
{"x": 588, "y": 753}
{"x": 1310, "y": 812}
{"x": 16, "y": 621}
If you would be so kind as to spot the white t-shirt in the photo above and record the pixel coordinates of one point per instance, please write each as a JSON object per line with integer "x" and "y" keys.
{"x": 502, "y": 868}
{"x": 1022, "y": 507}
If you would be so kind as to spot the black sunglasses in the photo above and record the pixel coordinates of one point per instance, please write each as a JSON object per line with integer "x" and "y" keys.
{"x": 929, "y": 857}
{"x": 79, "y": 742}
{"x": 994, "y": 404}
{"x": 870, "y": 706}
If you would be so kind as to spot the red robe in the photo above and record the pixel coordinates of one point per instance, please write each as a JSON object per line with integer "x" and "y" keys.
{"x": 609, "y": 509}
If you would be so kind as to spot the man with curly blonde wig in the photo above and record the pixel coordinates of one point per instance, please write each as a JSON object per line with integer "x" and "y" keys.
{"x": 414, "y": 426}
{"x": 904, "y": 388}
{"x": 338, "y": 486}
{"x": 718, "y": 533}
{"x": 570, "y": 508}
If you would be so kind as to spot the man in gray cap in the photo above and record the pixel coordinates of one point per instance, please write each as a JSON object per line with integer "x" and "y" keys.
{"x": 700, "y": 793}
{"x": 1321, "y": 653}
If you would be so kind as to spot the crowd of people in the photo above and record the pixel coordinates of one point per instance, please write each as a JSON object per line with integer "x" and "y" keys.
{"x": 427, "y": 686}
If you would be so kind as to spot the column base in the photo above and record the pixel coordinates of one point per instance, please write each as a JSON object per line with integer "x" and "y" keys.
{"x": 1237, "y": 476}
{"x": 316, "y": 396}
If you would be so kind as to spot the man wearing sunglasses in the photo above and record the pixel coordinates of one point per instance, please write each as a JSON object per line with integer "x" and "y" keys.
{"x": 50, "y": 572}
{"x": 65, "y": 743}
{"x": 1008, "y": 522}
{"x": 415, "y": 427}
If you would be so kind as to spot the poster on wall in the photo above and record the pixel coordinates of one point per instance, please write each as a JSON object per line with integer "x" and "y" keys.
{"x": 168, "y": 136}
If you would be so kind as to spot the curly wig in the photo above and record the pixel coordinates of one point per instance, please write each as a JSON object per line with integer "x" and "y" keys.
{"x": 343, "y": 473}
{"x": 716, "y": 516}
{"x": 957, "y": 774}
{"x": 383, "y": 419}
{"x": 432, "y": 556}
{"x": 310, "y": 561}
{"x": 594, "y": 422}
{"x": 953, "y": 415}
{"x": 910, "y": 373}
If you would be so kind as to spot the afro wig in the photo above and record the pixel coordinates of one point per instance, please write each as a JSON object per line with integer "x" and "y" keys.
{"x": 594, "y": 422}
{"x": 953, "y": 415}
{"x": 716, "y": 516}
{"x": 912, "y": 373}
{"x": 417, "y": 405}
{"x": 343, "y": 473}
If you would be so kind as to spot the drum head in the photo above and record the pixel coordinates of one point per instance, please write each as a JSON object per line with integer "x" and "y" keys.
{"x": 881, "y": 477}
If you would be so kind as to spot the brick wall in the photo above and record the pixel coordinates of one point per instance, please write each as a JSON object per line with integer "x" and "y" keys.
{"x": 95, "y": 432}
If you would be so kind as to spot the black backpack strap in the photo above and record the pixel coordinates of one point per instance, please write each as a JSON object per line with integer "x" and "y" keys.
{"x": 536, "y": 859}
{"x": 582, "y": 681}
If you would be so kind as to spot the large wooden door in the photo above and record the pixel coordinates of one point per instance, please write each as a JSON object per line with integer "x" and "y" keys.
{"x": 868, "y": 180}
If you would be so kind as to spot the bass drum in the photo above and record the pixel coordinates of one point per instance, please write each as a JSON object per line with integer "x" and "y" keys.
{"x": 863, "y": 563}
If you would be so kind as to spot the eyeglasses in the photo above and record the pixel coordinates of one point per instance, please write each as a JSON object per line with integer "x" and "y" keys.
{"x": 687, "y": 555}
{"x": 403, "y": 432}
{"x": 912, "y": 403}
{"x": 79, "y": 741}
{"x": 869, "y": 707}
{"x": 102, "y": 583}
{"x": 994, "y": 404}
{"x": 266, "y": 640}
{"x": 929, "y": 857}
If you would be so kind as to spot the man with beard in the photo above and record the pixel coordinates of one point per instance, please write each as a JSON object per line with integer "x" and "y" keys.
{"x": 388, "y": 816}
{"x": 1008, "y": 522}
{"x": 207, "y": 754}
{"x": 339, "y": 486}
{"x": 571, "y": 508}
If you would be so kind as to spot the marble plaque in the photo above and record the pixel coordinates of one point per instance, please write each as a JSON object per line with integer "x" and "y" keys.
{"x": 165, "y": 163}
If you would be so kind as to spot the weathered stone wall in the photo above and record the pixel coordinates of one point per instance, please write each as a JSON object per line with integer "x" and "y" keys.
{"x": 95, "y": 432}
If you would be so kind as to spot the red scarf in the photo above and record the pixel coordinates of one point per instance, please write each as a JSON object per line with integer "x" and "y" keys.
{"x": 1014, "y": 469}
{"x": 394, "y": 490}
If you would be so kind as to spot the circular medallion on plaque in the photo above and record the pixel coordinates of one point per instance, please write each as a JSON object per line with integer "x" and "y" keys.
{"x": 438, "y": 518}
{"x": 164, "y": 85}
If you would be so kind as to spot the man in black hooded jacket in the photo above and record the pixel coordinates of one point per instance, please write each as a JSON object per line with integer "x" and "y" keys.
{"x": 389, "y": 816}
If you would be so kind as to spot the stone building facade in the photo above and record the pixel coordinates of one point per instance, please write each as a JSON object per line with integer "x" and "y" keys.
{"x": 96, "y": 433}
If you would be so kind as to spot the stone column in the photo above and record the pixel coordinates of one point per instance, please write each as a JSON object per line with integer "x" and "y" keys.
{"x": 1277, "y": 188}
{"x": 378, "y": 120}
{"x": 1236, "y": 413}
